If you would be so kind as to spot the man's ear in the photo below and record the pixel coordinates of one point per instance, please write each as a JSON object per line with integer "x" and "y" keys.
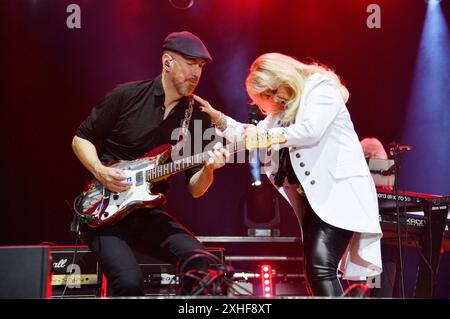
{"x": 167, "y": 61}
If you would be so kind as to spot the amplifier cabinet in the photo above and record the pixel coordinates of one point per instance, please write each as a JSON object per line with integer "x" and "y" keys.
{"x": 25, "y": 272}
{"x": 76, "y": 272}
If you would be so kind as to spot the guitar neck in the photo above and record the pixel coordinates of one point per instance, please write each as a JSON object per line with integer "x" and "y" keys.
{"x": 165, "y": 170}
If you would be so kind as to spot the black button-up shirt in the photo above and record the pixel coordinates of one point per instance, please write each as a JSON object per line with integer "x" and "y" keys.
{"x": 128, "y": 122}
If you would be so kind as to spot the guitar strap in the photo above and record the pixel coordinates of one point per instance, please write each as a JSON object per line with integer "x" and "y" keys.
{"x": 184, "y": 127}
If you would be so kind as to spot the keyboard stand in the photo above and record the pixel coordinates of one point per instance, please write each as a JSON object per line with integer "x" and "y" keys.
{"x": 436, "y": 214}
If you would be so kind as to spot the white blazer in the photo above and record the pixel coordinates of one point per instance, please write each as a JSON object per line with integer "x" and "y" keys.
{"x": 329, "y": 162}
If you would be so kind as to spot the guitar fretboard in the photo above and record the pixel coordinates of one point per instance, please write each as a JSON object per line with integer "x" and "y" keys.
{"x": 165, "y": 170}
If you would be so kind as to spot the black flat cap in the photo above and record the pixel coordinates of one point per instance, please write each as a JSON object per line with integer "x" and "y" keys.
{"x": 187, "y": 44}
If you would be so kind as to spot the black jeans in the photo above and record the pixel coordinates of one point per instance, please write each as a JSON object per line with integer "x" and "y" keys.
{"x": 324, "y": 246}
{"x": 150, "y": 231}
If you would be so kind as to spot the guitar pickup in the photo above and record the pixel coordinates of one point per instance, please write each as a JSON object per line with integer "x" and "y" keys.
{"x": 139, "y": 178}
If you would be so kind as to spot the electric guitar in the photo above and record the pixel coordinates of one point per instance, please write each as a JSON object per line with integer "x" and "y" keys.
{"x": 100, "y": 207}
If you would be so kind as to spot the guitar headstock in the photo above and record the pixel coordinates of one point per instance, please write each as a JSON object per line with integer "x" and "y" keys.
{"x": 264, "y": 140}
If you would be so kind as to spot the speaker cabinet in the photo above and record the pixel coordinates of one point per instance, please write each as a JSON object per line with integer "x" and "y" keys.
{"x": 25, "y": 272}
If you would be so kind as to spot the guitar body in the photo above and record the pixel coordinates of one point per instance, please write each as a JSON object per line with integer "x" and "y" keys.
{"x": 100, "y": 207}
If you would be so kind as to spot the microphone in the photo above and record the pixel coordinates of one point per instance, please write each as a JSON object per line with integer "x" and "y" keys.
{"x": 404, "y": 148}
{"x": 254, "y": 116}
{"x": 396, "y": 148}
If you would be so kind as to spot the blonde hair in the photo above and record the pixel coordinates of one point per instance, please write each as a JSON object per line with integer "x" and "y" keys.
{"x": 271, "y": 70}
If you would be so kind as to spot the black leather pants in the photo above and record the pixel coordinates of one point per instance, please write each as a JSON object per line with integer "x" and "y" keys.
{"x": 324, "y": 246}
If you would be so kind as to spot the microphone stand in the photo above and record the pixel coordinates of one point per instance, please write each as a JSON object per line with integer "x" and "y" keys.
{"x": 394, "y": 150}
{"x": 254, "y": 116}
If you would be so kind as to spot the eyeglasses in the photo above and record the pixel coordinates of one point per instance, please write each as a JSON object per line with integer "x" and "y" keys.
{"x": 273, "y": 95}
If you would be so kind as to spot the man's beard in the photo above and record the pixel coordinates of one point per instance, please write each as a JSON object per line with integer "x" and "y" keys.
{"x": 186, "y": 87}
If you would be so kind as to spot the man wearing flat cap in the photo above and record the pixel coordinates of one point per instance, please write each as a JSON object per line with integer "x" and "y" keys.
{"x": 131, "y": 120}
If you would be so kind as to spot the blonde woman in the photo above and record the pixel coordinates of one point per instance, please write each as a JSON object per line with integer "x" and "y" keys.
{"x": 322, "y": 171}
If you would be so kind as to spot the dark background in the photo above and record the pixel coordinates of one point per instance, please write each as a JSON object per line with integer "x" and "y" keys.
{"x": 51, "y": 77}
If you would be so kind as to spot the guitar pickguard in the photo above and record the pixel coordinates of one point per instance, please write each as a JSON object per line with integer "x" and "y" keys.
{"x": 100, "y": 207}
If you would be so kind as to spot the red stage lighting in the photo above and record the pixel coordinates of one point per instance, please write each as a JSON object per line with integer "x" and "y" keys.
{"x": 266, "y": 281}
